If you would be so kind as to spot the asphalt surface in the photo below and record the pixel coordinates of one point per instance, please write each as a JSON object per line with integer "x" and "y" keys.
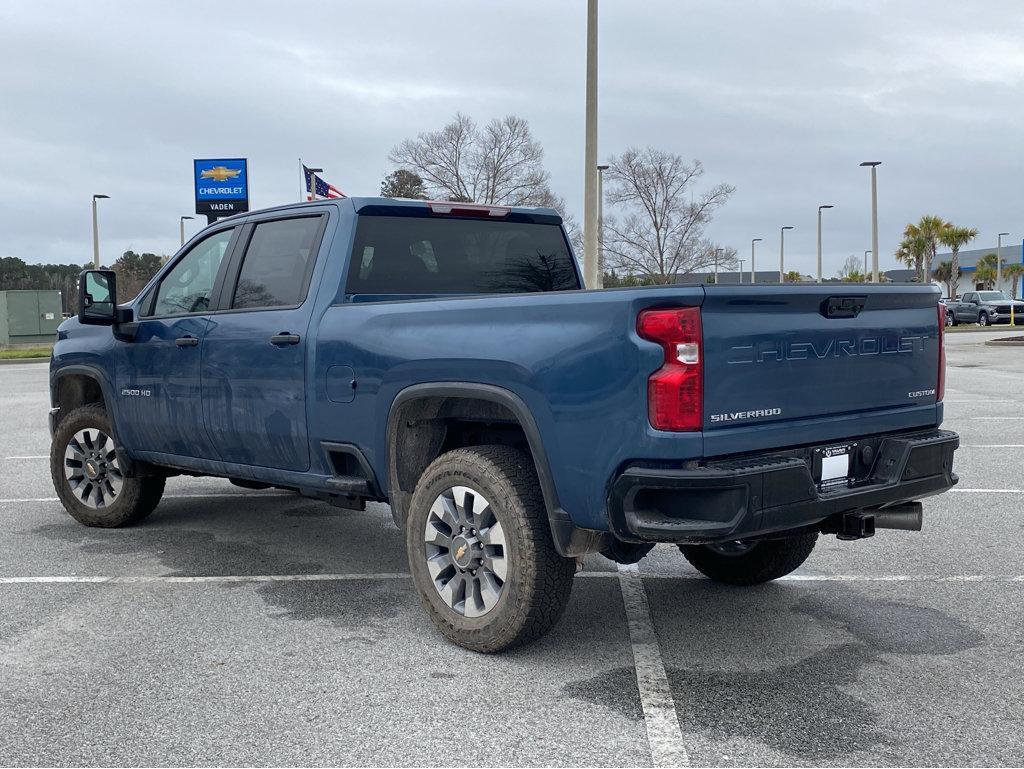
{"x": 904, "y": 649}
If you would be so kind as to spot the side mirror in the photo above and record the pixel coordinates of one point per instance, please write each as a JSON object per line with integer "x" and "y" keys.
{"x": 97, "y": 298}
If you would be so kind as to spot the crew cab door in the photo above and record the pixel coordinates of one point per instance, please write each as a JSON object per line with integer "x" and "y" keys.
{"x": 968, "y": 309}
{"x": 158, "y": 372}
{"x": 254, "y": 353}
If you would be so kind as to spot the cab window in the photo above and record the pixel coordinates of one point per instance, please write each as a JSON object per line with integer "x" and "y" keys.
{"x": 277, "y": 265}
{"x": 188, "y": 287}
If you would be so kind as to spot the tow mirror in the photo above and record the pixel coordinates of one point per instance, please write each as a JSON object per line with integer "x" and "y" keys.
{"x": 97, "y": 297}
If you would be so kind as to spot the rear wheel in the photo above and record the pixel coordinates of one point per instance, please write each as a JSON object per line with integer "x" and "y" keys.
{"x": 750, "y": 562}
{"x": 91, "y": 480}
{"x": 480, "y": 550}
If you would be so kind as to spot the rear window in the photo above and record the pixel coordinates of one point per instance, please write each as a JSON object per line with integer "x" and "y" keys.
{"x": 417, "y": 255}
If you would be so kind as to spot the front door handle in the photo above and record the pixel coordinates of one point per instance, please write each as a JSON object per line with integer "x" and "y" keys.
{"x": 186, "y": 341}
{"x": 283, "y": 339}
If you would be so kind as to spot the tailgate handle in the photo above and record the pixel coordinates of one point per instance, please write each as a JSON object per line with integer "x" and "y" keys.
{"x": 843, "y": 306}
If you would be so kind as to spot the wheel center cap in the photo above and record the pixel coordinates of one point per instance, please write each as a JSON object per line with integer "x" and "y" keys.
{"x": 91, "y": 469}
{"x": 463, "y": 551}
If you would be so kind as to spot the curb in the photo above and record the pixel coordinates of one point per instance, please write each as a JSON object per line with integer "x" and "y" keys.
{"x": 1008, "y": 342}
{"x": 13, "y": 361}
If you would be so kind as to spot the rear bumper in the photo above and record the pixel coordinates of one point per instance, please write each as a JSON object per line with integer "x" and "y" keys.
{"x": 759, "y": 495}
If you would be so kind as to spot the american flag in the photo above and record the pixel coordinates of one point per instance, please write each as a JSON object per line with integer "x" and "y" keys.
{"x": 323, "y": 189}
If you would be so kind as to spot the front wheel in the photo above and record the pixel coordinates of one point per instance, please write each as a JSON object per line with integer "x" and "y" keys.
{"x": 89, "y": 476}
{"x": 480, "y": 550}
{"x": 750, "y": 562}
{"x": 983, "y": 320}
{"x": 950, "y": 319}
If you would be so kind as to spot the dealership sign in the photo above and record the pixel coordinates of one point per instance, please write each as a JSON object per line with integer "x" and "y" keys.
{"x": 222, "y": 186}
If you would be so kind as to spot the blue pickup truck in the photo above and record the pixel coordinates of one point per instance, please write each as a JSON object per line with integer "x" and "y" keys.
{"x": 445, "y": 358}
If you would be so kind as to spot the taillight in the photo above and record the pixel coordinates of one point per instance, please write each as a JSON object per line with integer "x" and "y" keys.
{"x": 675, "y": 392}
{"x": 940, "y": 387}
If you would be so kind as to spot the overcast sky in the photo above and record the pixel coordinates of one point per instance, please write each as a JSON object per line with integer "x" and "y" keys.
{"x": 780, "y": 99}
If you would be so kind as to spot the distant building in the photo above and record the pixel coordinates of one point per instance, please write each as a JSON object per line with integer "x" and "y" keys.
{"x": 733, "y": 277}
{"x": 1013, "y": 253}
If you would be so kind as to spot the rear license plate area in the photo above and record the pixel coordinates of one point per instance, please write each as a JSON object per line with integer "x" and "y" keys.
{"x": 832, "y": 466}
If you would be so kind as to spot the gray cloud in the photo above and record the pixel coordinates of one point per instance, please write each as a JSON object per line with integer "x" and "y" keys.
{"x": 781, "y": 99}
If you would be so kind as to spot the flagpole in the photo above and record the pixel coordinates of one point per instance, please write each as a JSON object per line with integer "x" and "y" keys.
{"x": 302, "y": 184}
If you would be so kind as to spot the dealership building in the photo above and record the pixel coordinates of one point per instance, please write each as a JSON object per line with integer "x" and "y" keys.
{"x": 1013, "y": 253}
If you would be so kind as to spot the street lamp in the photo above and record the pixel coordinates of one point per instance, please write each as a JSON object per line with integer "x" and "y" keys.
{"x": 181, "y": 227}
{"x": 717, "y": 252}
{"x": 782, "y": 253}
{"x": 741, "y": 261}
{"x": 600, "y": 224}
{"x": 96, "y": 232}
{"x": 753, "y": 278}
{"x": 999, "y": 260}
{"x": 591, "y": 269}
{"x": 866, "y": 263}
{"x": 873, "y": 164}
{"x": 820, "y": 208}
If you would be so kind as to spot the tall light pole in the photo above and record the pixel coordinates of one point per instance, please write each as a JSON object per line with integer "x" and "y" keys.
{"x": 999, "y": 259}
{"x": 782, "y": 254}
{"x": 181, "y": 227}
{"x": 717, "y": 252}
{"x": 866, "y": 263}
{"x": 753, "y": 274}
{"x": 873, "y": 165}
{"x": 591, "y": 270}
{"x": 600, "y": 221}
{"x": 741, "y": 261}
{"x": 820, "y": 208}
{"x": 96, "y": 232}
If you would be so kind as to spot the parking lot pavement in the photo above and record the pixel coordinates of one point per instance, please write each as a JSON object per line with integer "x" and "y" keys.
{"x": 263, "y": 628}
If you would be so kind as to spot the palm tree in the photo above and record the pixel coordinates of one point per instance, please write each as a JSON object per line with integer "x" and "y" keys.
{"x": 930, "y": 227}
{"x": 956, "y": 238}
{"x": 911, "y": 250}
{"x": 985, "y": 272}
{"x": 1014, "y": 272}
{"x": 944, "y": 274}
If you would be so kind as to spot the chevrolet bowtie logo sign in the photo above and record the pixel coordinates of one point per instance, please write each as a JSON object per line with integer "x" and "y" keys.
{"x": 460, "y": 552}
{"x": 220, "y": 173}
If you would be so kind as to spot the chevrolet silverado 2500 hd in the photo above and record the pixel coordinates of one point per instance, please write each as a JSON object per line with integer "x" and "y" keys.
{"x": 444, "y": 358}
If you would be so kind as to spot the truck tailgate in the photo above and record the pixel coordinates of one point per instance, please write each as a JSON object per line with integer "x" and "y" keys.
{"x": 800, "y": 353}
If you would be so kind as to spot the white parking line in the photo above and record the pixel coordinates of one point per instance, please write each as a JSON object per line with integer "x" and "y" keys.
{"x": 994, "y": 419}
{"x": 958, "y": 490}
{"x": 992, "y": 445}
{"x": 664, "y": 736}
{"x": 36, "y": 456}
{"x": 175, "y": 496}
{"x": 147, "y": 579}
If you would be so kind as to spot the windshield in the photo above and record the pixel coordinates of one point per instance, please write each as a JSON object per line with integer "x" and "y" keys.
{"x": 992, "y": 296}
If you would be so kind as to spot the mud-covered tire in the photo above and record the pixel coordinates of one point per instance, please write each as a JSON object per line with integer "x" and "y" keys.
{"x": 534, "y": 593}
{"x": 137, "y": 497}
{"x": 759, "y": 561}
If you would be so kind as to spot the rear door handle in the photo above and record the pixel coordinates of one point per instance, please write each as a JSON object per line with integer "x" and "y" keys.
{"x": 281, "y": 340}
{"x": 186, "y": 341}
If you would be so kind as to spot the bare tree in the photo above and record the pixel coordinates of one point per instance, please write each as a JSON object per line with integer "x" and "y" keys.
{"x": 500, "y": 164}
{"x": 661, "y": 230}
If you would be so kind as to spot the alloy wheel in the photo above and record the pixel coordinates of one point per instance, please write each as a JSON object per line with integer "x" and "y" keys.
{"x": 466, "y": 552}
{"x": 92, "y": 469}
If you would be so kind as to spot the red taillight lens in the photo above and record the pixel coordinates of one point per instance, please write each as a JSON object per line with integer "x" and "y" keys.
{"x": 675, "y": 392}
{"x": 940, "y": 387}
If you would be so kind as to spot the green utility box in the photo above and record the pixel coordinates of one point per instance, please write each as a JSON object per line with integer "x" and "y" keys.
{"x": 29, "y": 317}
